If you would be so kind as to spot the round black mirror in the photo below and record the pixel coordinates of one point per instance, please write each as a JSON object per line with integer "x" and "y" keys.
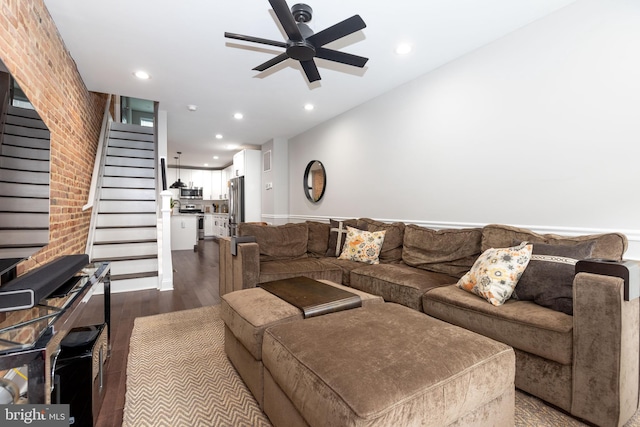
{"x": 315, "y": 181}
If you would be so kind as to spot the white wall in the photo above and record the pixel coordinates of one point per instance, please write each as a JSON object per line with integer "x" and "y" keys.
{"x": 275, "y": 200}
{"x": 539, "y": 129}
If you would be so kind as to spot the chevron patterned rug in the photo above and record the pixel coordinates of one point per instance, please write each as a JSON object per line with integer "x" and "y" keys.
{"x": 179, "y": 376}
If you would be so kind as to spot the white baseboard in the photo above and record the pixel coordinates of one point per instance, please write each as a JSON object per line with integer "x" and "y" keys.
{"x": 633, "y": 236}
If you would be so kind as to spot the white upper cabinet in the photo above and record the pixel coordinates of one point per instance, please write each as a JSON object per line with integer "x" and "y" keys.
{"x": 239, "y": 164}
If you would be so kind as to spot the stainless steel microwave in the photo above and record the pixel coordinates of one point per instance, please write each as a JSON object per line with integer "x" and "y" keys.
{"x": 191, "y": 193}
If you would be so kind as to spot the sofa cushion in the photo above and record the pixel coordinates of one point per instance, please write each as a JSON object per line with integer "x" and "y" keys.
{"x": 451, "y": 251}
{"x": 548, "y": 279}
{"x": 398, "y": 283}
{"x": 392, "y": 247}
{"x": 607, "y": 246}
{"x": 314, "y": 268}
{"x": 362, "y": 246}
{"x": 318, "y": 238}
{"x": 338, "y": 234}
{"x": 520, "y": 324}
{"x": 346, "y": 266}
{"x": 496, "y": 272}
{"x": 279, "y": 242}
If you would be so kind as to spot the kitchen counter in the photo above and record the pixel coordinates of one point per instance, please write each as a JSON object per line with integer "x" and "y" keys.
{"x": 184, "y": 232}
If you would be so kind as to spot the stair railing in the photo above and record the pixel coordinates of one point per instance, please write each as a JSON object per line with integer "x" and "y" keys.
{"x": 98, "y": 171}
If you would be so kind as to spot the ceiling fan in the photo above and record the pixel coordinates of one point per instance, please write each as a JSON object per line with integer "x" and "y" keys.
{"x": 303, "y": 45}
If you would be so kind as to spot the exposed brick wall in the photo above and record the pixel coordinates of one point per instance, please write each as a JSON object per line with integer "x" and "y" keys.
{"x": 34, "y": 52}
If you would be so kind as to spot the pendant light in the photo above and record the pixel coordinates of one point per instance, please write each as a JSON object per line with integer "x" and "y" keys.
{"x": 178, "y": 183}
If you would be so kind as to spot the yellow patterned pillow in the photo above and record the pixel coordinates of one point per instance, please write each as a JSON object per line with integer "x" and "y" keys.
{"x": 496, "y": 272}
{"x": 362, "y": 246}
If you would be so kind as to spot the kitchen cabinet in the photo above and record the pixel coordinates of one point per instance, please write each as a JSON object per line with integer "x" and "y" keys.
{"x": 216, "y": 185}
{"x": 239, "y": 163}
{"x": 184, "y": 232}
{"x": 209, "y": 225}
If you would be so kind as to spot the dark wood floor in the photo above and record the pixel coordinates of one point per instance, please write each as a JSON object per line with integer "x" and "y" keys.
{"x": 195, "y": 282}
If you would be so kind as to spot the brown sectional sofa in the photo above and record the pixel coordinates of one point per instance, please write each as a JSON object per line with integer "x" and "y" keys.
{"x": 586, "y": 363}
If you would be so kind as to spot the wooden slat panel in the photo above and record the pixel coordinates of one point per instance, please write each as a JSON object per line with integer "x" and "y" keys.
{"x": 22, "y": 152}
{"x": 24, "y": 165}
{"x": 24, "y": 237}
{"x": 16, "y": 204}
{"x": 23, "y": 141}
{"x": 24, "y": 220}
{"x": 24, "y": 191}
{"x": 24, "y": 121}
{"x": 22, "y": 131}
{"x": 26, "y": 177}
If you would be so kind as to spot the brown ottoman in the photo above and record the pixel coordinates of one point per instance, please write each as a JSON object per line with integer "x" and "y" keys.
{"x": 385, "y": 365}
{"x": 246, "y": 314}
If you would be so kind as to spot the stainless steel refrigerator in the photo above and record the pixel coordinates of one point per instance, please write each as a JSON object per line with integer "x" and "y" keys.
{"x": 236, "y": 204}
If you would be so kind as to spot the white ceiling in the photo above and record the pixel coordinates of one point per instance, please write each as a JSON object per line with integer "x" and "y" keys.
{"x": 182, "y": 45}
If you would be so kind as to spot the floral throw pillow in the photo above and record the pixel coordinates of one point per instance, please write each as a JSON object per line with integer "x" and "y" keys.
{"x": 496, "y": 272}
{"x": 363, "y": 246}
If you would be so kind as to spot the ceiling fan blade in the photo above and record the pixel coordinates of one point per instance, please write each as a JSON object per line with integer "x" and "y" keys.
{"x": 310, "y": 70}
{"x": 270, "y": 63}
{"x": 286, "y": 19}
{"x": 344, "y": 58}
{"x": 254, "y": 39}
{"x": 341, "y": 29}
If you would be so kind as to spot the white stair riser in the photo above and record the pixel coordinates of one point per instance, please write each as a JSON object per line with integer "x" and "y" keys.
{"x": 126, "y": 206}
{"x": 127, "y": 194}
{"x": 124, "y": 250}
{"x": 126, "y": 220}
{"x": 127, "y": 152}
{"x": 109, "y": 181}
{"x": 129, "y": 162}
{"x": 127, "y": 143}
{"x": 124, "y": 234}
{"x": 24, "y": 237}
{"x": 130, "y": 285}
{"x": 130, "y": 135}
{"x": 129, "y": 172}
{"x": 134, "y": 266}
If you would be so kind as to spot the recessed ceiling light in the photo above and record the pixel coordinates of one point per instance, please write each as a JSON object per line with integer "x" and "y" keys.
{"x": 206, "y": 164}
{"x": 238, "y": 116}
{"x": 218, "y": 136}
{"x": 403, "y": 48}
{"x": 215, "y": 157}
{"x": 232, "y": 146}
{"x": 142, "y": 75}
{"x": 192, "y": 107}
{"x": 308, "y": 107}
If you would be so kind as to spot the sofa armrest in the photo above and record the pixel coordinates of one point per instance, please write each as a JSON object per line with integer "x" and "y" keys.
{"x": 606, "y": 349}
{"x": 240, "y": 270}
{"x": 246, "y": 266}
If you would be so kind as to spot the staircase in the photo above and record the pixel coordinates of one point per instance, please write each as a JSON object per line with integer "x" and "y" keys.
{"x": 126, "y": 220}
{"x": 24, "y": 184}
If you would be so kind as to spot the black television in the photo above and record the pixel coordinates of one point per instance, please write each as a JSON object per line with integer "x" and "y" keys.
{"x": 24, "y": 177}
